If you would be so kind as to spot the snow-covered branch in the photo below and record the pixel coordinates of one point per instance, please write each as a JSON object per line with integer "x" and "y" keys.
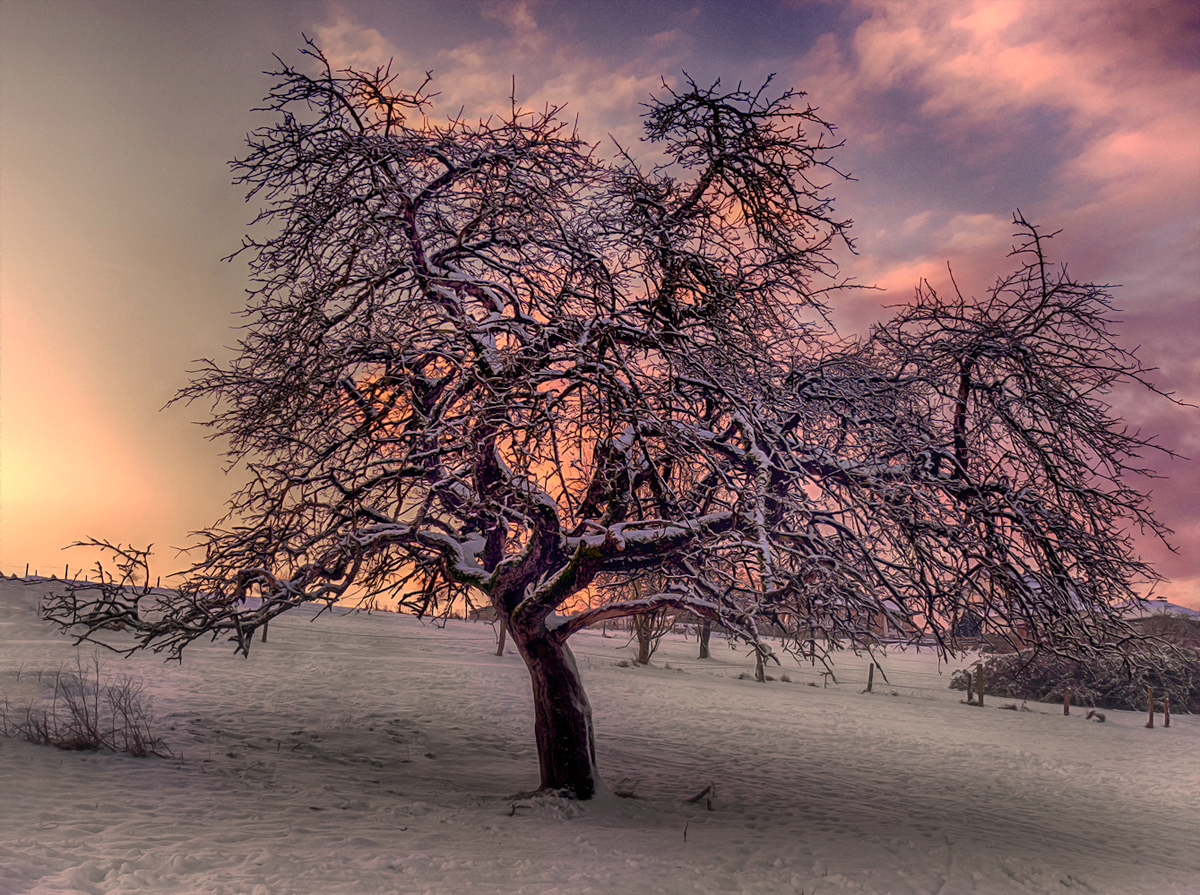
{"x": 565, "y": 626}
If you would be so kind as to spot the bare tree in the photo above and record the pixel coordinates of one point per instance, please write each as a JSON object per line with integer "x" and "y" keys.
{"x": 1014, "y": 429}
{"x": 649, "y": 628}
{"x": 480, "y": 358}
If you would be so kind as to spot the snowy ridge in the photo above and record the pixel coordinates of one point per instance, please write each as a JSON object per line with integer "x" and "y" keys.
{"x": 1147, "y": 608}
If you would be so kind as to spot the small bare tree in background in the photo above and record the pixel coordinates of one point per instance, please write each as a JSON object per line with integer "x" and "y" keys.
{"x": 648, "y": 628}
{"x": 480, "y": 357}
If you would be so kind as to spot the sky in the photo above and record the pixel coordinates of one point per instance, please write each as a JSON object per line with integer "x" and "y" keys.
{"x": 118, "y": 120}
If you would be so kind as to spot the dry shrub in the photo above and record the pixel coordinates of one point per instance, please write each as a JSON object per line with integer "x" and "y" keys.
{"x": 1180, "y": 630}
{"x": 1109, "y": 682}
{"x": 87, "y": 710}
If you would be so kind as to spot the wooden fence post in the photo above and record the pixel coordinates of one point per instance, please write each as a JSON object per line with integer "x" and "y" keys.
{"x": 979, "y": 681}
{"x": 970, "y": 687}
{"x": 1067, "y": 701}
{"x": 1150, "y": 704}
{"x": 870, "y": 676}
{"x": 1166, "y": 712}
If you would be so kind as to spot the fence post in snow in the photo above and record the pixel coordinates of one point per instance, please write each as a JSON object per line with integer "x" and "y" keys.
{"x": 1150, "y": 704}
{"x": 1166, "y": 712}
{"x": 1067, "y": 701}
{"x": 979, "y": 681}
{"x": 870, "y": 676}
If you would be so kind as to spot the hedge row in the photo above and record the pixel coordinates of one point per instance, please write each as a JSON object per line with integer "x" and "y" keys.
{"x": 1107, "y": 682}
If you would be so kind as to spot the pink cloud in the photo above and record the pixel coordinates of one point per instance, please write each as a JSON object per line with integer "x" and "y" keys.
{"x": 348, "y": 44}
{"x": 478, "y": 76}
{"x": 1086, "y": 116}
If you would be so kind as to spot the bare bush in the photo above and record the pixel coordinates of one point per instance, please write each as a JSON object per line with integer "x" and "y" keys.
{"x": 1171, "y": 628}
{"x": 87, "y": 710}
{"x": 1104, "y": 681}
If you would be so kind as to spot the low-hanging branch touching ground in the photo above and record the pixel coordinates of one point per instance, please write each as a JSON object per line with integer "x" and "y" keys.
{"x": 483, "y": 361}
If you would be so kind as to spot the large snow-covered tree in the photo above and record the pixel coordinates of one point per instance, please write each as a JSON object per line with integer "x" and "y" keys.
{"x": 483, "y": 360}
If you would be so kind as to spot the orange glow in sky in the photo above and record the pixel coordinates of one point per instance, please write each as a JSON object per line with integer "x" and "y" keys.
{"x": 118, "y": 118}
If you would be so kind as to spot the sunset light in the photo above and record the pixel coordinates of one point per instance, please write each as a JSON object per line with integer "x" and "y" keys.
{"x": 94, "y": 298}
{"x": 119, "y": 118}
{"x": 487, "y": 447}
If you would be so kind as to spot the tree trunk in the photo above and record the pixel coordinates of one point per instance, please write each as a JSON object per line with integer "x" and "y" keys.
{"x": 562, "y": 714}
{"x": 503, "y": 631}
{"x": 705, "y": 634}
{"x": 641, "y": 626}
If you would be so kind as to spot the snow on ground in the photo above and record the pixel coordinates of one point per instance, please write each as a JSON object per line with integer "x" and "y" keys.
{"x": 376, "y": 754}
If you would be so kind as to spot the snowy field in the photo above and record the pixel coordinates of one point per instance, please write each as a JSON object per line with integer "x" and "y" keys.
{"x": 374, "y": 754}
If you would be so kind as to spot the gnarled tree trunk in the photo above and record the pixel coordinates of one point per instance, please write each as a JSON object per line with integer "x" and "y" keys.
{"x": 562, "y": 713}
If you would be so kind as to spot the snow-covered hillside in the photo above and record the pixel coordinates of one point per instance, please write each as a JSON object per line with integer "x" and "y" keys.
{"x": 376, "y": 754}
